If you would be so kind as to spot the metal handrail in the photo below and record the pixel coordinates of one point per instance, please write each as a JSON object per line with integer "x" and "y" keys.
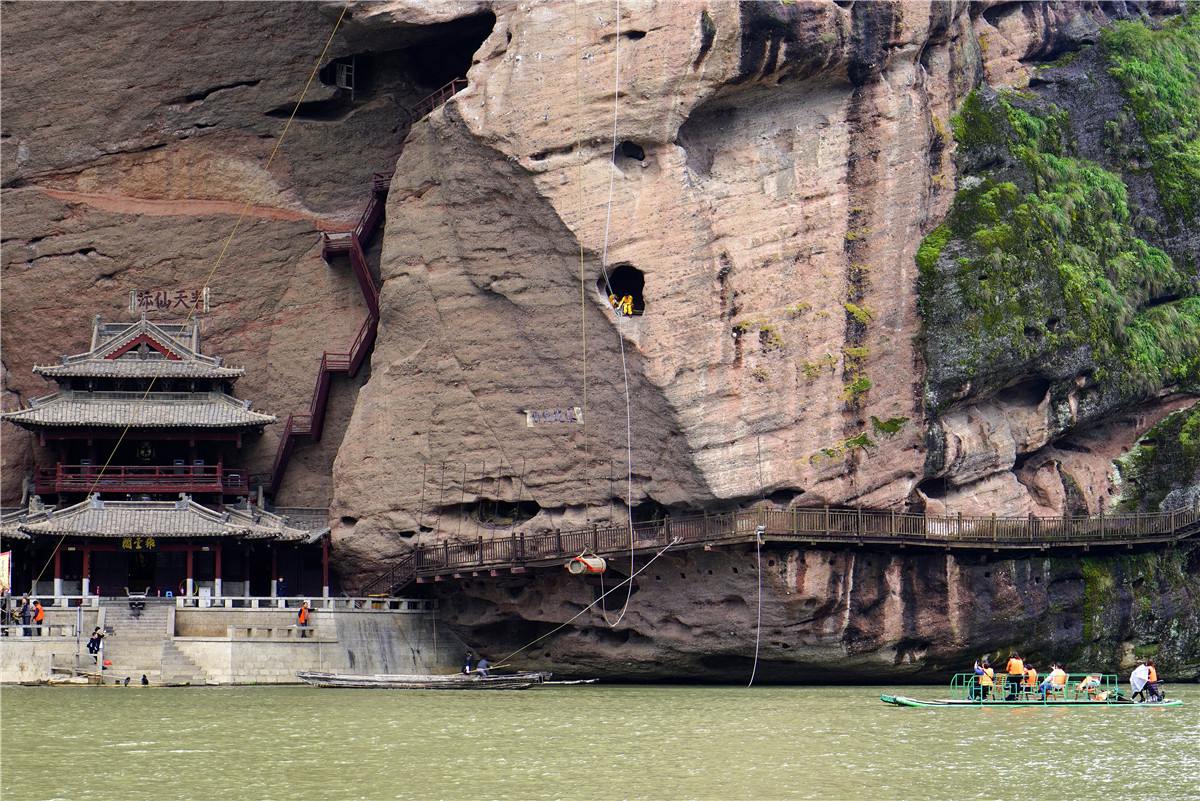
{"x": 812, "y": 525}
{"x": 437, "y": 98}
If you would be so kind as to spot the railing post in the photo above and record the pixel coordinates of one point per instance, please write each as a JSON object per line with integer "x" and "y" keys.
{"x": 558, "y": 542}
{"x": 858, "y": 528}
{"x": 1102, "y": 523}
{"x": 892, "y": 522}
{"x": 993, "y": 526}
{"x": 795, "y": 521}
{"x": 958, "y": 528}
{"x": 1032, "y": 527}
{"x": 596, "y": 540}
{"x": 522, "y": 542}
{"x": 827, "y": 521}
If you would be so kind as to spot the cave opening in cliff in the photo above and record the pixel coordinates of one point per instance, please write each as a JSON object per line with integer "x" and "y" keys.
{"x": 492, "y": 512}
{"x": 624, "y": 281}
{"x": 447, "y": 49}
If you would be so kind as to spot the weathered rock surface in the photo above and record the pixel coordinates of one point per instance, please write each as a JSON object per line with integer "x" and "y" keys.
{"x": 761, "y": 184}
{"x": 856, "y": 616}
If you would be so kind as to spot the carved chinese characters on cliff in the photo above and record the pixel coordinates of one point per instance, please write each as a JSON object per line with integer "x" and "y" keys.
{"x": 171, "y": 301}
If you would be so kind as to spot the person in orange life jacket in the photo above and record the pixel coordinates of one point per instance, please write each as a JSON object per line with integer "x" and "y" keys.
{"x": 984, "y": 676}
{"x": 1016, "y": 673}
{"x": 303, "y": 619}
{"x": 1089, "y": 685}
{"x": 39, "y": 616}
{"x": 1030, "y": 679}
{"x": 1055, "y": 682}
{"x": 1152, "y": 682}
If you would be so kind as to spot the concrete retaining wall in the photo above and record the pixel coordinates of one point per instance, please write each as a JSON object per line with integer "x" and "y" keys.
{"x": 263, "y": 646}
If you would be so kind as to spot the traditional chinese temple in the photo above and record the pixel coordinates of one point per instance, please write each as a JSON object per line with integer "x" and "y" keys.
{"x": 140, "y": 482}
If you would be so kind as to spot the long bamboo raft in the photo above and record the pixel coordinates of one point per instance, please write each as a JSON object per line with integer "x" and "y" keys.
{"x": 966, "y": 692}
{"x": 418, "y": 681}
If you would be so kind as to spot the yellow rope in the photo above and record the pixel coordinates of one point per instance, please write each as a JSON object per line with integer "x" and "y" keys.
{"x": 211, "y": 273}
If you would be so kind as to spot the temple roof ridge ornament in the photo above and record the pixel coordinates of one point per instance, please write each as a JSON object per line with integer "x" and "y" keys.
{"x": 142, "y": 349}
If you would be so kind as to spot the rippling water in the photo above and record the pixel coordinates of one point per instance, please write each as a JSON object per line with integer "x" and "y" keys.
{"x": 581, "y": 742}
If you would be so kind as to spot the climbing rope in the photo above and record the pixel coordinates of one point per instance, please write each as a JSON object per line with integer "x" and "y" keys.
{"x": 175, "y": 341}
{"x": 620, "y": 339}
{"x": 758, "y": 549}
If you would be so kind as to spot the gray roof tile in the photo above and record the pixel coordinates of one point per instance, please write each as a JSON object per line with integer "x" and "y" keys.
{"x": 182, "y": 518}
{"x": 136, "y": 410}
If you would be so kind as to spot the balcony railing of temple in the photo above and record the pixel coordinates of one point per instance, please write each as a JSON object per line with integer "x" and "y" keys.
{"x": 138, "y": 478}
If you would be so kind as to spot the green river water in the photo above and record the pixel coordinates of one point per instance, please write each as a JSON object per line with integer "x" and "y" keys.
{"x": 581, "y": 742}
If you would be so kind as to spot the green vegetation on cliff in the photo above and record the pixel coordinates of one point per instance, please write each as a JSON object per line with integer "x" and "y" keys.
{"x": 1159, "y": 71}
{"x": 1166, "y": 459}
{"x": 1041, "y": 267}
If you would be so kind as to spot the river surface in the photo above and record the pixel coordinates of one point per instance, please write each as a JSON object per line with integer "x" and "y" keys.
{"x": 581, "y": 742}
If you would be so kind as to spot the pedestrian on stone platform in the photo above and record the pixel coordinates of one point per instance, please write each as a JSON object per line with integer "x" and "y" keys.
{"x": 26, "y": 614}
{"x": 93, "y": 644}
{"x": 281, "y": 588}
{"x": 303, "y": 619}
{"x": 39, "y": 617}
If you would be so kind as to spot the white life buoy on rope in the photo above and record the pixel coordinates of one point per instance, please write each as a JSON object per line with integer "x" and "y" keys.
{"x": 589, "y": 563}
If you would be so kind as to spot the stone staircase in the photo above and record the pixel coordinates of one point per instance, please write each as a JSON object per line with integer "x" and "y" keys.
{"x": 139, "y": 644}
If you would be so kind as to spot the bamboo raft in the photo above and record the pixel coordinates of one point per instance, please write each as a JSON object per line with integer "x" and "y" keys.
{"x": 417, "y": 681}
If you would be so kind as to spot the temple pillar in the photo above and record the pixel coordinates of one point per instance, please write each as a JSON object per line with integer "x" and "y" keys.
{"x": 58, "y": 580}
{"x": 189, "y": 581}
{"x": 217, "y": 574}
{"x": 87, "y": 581}
{"x": 274, "y": 571}
{"x": 325, "y": 566}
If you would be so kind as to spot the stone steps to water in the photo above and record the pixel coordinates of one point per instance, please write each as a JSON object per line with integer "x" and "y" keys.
{"x": 139, "y": 644}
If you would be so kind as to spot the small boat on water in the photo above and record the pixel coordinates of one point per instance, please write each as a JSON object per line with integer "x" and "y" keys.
{"x": 1088, "y": 689}
{"x": 418, "y": 681}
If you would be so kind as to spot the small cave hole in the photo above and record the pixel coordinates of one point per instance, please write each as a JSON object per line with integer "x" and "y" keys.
{"x": 629, "y": 150}
{"x": 987, "y": 574}
{"x": 770, "y": 563}
{"x": 624, "y": 281}
{"x": 682, "y": 576}
{"x": 1033, "y": 333}
{"x": 735, "y": 570}
{"x": 634, "y": 35}
{"x": 349, "y": 522}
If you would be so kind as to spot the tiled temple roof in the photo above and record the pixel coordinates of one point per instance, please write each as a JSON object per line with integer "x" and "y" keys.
{"x": 182, "y": 518}
{"x": 142, "y": 350}
{"x": 10, "y": 525}
{"x": 70, "y": 408}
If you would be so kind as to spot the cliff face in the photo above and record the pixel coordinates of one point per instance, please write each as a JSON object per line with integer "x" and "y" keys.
{"x": 787, "y": 192}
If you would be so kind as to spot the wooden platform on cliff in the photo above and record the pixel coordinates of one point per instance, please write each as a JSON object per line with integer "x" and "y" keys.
{"x": 823, "y": 527}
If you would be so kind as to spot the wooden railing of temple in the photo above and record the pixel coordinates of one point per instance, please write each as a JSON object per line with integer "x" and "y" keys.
{"x": 815, "y": 527}
{"x": 140, "y": 478}
{"x": 351, "y": 243}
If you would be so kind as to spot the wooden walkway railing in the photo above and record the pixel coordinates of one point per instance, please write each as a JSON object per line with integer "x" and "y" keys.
{"x": 312, "y": 423}
{"x": 824, "y": 526}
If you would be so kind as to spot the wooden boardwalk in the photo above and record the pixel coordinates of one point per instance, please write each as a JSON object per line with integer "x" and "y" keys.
{"x": 821, "y": 527}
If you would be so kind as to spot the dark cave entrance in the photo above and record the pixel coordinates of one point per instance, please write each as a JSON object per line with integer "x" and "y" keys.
{"x": 624, "y": 280}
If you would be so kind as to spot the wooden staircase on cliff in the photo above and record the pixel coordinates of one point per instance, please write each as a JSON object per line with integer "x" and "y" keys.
{"x": 351, "y": 243}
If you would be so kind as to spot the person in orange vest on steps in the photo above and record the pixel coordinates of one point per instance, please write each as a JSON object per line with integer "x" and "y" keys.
{"x": 984, "y": 674}
{"x": 1016, "y": 674}
{"x": 303, "y": 619}
{"x": 39, "y": 615}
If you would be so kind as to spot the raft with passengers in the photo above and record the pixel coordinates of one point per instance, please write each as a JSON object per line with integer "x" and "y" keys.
{"x": 1020, "y": 686}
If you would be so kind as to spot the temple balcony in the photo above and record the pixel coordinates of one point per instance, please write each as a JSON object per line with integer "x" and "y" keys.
{"x": 141, "y": 479}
